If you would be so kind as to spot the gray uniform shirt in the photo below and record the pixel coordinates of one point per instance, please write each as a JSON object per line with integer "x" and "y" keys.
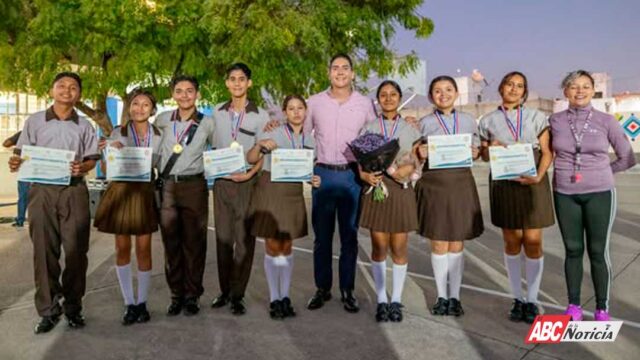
{"x": 279, "y": 136}
{"x": 493, "y": 126}
{"x": 466, "y": 125}
{"x": 406, "y": 134}
{"x": 250, "y": 129}
{"x": 116, "y": 135}
{"x": 190, "y": 161}
{"x": 45, "y": 129}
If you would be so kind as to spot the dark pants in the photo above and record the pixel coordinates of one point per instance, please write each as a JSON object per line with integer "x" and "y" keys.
{"x": 59, "y": 218}
{"x": 183, "y": 222}
{"x": 591, "y": 214}
{"x": 339, "y": 194}
{"x": 234, "y": 243}
{"x": 23, "y": 200}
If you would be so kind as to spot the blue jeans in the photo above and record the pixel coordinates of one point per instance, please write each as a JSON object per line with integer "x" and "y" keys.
{"x": 338, "y": 194}
{"x": 23, "y": 200}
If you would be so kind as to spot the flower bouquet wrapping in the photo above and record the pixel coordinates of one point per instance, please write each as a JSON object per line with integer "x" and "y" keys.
{"x": 375, "y": 154}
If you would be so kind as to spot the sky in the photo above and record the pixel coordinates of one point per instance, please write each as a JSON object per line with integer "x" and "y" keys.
{"x": 545, "y": 39}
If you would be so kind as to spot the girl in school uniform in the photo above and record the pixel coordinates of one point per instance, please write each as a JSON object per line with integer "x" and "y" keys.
{"x": 278, "y": 209}
{"x": 391, "y": 220}
{"x": 521, "y": 208}
{"x": 448, "y": 204}
{"x": 128, "y": 208}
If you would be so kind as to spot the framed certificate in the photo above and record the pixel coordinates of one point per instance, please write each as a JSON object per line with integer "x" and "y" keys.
{"x": 291, "y": 165}
{"x": 511, "y": 162}
{"x": 129, "y": 164}
{"x": 223, "y": 162}
{"x": 450, "y": 151}
{"x": 45, "y": 165}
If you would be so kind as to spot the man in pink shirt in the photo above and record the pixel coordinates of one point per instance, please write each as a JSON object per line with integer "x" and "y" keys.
{"x": 336, "y": 116}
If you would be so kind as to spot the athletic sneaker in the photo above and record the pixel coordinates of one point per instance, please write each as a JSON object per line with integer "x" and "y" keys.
{"x": 602, "y": 315}
{"x": 575, "y": 311}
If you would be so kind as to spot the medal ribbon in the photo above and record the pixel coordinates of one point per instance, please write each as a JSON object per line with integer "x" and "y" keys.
{"x": 235, "y": 129}
{"x": 136, "y": 139}
{"x": 289, "y": 134}
{"x": 394, "y": 129}
{"x": 443, "y": 125}
{"x": 578, "y": 138}
{"x": 515, "y": 130}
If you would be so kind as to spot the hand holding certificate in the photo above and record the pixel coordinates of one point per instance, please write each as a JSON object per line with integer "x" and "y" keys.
{"x": 508, "y": 163}
{"x": 291, "y": 165}
{"x": 223, "y": 162}
{"x": 45, "y": 165}
{"x": 450, "y": 151}
{"x": 129, "y": 164}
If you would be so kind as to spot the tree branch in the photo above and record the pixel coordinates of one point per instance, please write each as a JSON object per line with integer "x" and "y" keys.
{"x": 178, "y": 68}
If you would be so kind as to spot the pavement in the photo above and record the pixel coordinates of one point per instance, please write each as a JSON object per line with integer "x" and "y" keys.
{"x": 484, "y": 332}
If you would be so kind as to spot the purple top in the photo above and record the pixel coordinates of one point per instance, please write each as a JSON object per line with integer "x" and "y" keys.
{"x": 597, "y": 169}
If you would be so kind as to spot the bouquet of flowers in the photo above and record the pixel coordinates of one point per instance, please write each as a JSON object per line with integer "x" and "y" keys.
{"x": 375, "y": 154}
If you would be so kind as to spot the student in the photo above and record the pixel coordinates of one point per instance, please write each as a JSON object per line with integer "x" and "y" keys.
{"x": 128, "y": 208}
{"x": 448, "y": 204}
{"x": 184, "y": 211}
{"x": 59, "y": 215}
{"x": 23, "y": 186}
{"x": 278, "y": 209}
{"x": 584, "y": 188}
{"x": 391, "y": 220}
{"x": 336, "y": 116}
{"x": 239, "y": 122}
{"x": 521, "y": 208}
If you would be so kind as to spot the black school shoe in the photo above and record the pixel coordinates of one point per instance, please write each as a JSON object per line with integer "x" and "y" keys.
{"x": 517, "y": 310}
{"x": 75, "y": 321}
{"x": 287, "y": 308}
{"x": 143, "y": 313}
{"x": 191, "y": 306}
{"x": 238, "y": 307}
{"x": 46, "y": 324}
{"x": 441, "y": 307}
{"x": 529, "y": 313}
{"x": 455, "y": 307}
{"x": 130, "y": 315}
{"x": 395, "y": 312}
{"x": 382, "y": 312}
{"x": 175, "y": 307}
{"x": 275, "y": 310}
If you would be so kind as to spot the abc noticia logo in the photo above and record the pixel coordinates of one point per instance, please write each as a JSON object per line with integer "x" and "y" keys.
{"x": 552, "y": 329}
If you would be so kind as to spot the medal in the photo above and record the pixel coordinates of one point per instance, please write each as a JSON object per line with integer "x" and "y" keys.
{"x": 235, "y": 129}
{"x": 234, "y": 145}
{"x": 394, "y": 129}
{"x": 577, "y": 164}
{"x": 177, "y": 149}
{"x": 444, "y": 126}
{"x": 515, "y": 130}
{"x": 146, "y": 142}
{"x": 289, "y": 134}
{"x": 180, "y": 137}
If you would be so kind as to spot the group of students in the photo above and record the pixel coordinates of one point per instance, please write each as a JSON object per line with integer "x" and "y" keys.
{"x": 443, "y": 206}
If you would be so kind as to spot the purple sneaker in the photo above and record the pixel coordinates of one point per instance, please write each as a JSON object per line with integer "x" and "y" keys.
{"x": 602, "y": 315}
{"x": 575, "y": 311}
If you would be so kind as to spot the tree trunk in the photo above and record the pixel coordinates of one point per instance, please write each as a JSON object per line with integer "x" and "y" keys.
{"x": 99, "y": 114}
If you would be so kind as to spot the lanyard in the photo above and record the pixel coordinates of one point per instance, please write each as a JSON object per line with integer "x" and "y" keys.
{"x": 236, "y": 128}
{"x": 289, "y": 134}
{"x": 516, "y": 130}
{"x": 136, "y": 139}
{"x": 394, "y": 129}
{"x": 181, "y": 135}
{"x": 578, "y": 137}
{"x": 443, "y": 125}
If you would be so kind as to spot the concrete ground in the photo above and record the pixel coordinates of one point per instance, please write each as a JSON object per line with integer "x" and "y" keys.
{"x": 484, "y": 332}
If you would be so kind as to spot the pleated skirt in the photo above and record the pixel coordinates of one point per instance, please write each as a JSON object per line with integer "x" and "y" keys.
{"x": 127, "y": 208}
{"x": 277, "y": 209}
{"x": 396, "y": 214}
{"x": 448, "y": 205}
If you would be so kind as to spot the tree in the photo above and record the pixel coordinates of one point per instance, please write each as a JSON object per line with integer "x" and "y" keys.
{"x": 115, "y": 44}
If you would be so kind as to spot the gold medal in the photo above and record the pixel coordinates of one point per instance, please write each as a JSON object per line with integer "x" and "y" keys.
{"x": 234, "y": 145}
{"x": 177, "y": 148}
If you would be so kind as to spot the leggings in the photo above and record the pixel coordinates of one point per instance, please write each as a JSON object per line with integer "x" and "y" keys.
{"x": 591, "y": 214}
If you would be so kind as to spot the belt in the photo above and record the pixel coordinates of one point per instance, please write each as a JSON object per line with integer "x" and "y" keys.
{"x": 339, "y": 167}
{"x": 182, "y": 178}
{"x": 76, "y": 180}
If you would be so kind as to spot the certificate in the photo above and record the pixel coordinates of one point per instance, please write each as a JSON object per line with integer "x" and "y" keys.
{"x": 511, "y": 162}
{"x": 223, "y": 162}
{"x": 450, "y": 151}
{"x": 129, "y": 164}
{"x": 291, "y": 165}
{"x": 45, "y": 165}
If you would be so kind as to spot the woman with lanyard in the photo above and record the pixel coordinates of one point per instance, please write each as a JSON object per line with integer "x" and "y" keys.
{"x": 448, "y": 205}
{"x": 584, "y": 190}
{"x": 277, "y": 208}
{"x": 128, "y": 208}
{"x": 522, "y": 207}
{"x": 390, "y": 220}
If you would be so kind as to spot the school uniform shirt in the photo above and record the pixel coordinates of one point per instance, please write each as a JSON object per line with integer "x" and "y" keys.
{"x": 250, "y": 125}
{"x": 128, "y": 141}
{"x": 406, "y": 133}
{"x": 45, "y": 129}
{"x": 174, "y": 130}
{"x": 280, "y": 136}
{"x": 494, "y": 126}
{"x": 430, "y": 125}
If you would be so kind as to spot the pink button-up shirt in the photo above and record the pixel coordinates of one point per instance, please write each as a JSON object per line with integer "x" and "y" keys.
{"x": 335, "y": 125}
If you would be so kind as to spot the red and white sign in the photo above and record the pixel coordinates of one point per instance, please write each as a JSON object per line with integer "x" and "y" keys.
{"x": 552, "y": 329}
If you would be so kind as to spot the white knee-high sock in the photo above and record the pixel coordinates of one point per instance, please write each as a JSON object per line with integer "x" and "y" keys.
{"x": 144, "y": 278}
{"x": 286, "y": 270}
{"x": 533, "y": 269}
{"x": 399, "y": 274}
{"x": 379, "y": 270}
{"x": 272, "y": 271}
{"x": 440, "y": 268}
{"x": 126, "y": 283}
{"x": 456, "y": 265}
{"x": 513, "y": 263}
